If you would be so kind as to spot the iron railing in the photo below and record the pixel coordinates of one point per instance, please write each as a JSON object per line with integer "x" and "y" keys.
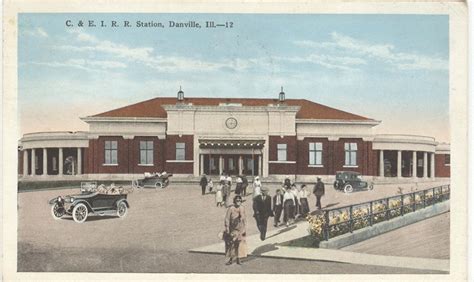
{"x": 346, "y": 219}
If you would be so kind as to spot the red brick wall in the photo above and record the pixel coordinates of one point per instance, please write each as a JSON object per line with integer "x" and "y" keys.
{"x": 135, "y": 155}
{"x": 303, "y": 157}
{"x": 20, "y": 162}
{"x": 365, "y": 156}
{"x": 291, "y": 151}
{"x": 96, "y": 155}
{"x": 441, "y": 170}
{"x": 170, "y": 153}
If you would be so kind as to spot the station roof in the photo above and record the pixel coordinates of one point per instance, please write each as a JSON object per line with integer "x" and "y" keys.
{"x": 153, "y": 108}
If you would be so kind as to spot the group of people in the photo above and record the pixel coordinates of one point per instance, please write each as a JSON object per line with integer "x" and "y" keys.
{"x": 293, "y": 202}
{"x": 224, "y": 188}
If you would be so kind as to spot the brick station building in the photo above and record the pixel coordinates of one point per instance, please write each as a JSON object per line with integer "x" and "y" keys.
{"x": 267, "y": 137}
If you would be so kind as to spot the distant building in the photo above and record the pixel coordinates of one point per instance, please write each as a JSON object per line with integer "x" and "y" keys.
{"x": 267, "y": 137}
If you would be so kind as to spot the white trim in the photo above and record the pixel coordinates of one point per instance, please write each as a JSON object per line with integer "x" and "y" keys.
{"x": 315, "y": 165}
{"x": 179, "y": 161}
{"x": 351, "y": 166}
{"x": 146, "y": 164}
{"x": 109, "y": 164}
{"x": 122, "y": 119}
{"x": 338, "y": 121}
{"x": 281, "y": 162}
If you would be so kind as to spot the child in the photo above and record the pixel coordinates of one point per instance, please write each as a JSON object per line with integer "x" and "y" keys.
{"x": 219, "y": 198}
{"x": 210, "y": 185}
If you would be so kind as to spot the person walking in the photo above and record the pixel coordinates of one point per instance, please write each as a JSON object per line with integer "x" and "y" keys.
{"x": 219, "y": 198}
{"x": 262, "y": 210}
{"x": 288, "y": 207}
{"x": 294, "y": 191}
{"x": 226, "y": 194}
{"x": 210, "y": 185}
{"x": 318, "y": 191}
{"x": 277, "y": 207}
{"x": 235, "y": 232}
{"x": 245, "y": 184}
{"x": 257, "y": 186}
{"x": 238, "y": 185}
{"x": 203, "y": 183}
{"x": 303, "y": 198}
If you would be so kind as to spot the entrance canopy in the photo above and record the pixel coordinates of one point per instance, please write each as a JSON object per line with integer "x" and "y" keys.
{"x": 230, "y": 144}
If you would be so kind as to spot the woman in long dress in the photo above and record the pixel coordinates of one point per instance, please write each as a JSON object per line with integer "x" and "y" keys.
{"x": 219, "y": 199}
{"x": 288, "y": 207}
{"x": 303, "y": 198}
{"x": 235, "y": 232}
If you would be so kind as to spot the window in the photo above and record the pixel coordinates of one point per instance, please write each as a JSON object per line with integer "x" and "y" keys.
{"x": 281, "y": 149}
{"x": 351, "y": 154}
{"x": 180, "y": 149}
{"x": 447, "y": 159}
{"x": 316, "y": 153}
{"x": 111, "y": 152}
{"x": 146, "y": 152}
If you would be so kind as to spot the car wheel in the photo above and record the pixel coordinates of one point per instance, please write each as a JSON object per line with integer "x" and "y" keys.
{"x": 371, "y": 187}
{"x": 335, "y": 184}
{"x": 79, "y": 213}
{"x": 57, "y": 211}
{"x": 348, "y": 188}
{"x": 159, "y": 185}
{"x": 122, "y": 209}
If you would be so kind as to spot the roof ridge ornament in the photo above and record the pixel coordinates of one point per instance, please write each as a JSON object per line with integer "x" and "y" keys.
{"x": 180, "y": 94}
{"x": 281, "y": 96}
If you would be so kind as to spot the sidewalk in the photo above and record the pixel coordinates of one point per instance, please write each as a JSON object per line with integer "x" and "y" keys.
{"x": 270, "y": 248}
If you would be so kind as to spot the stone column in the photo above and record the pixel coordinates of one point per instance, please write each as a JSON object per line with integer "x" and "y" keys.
{"x": 60, "y": 161}
{"x": 241, "y": 164}
{"x": 221, "y": 164}
{"x": 33, "y": 162}
{"x": 79, "y": 160}
{"x": 260, "y": 168}
{"x": 425, "y": 164}
{"x": 201, "y": 167}
{"x": 45, "y": 161}
{"x": 433, "y": 165}
{"x": 413, "y": 168}
{"x": 399, "y": 164}
{"x": 25, "y": 163}
{"x": 381, "y": 165}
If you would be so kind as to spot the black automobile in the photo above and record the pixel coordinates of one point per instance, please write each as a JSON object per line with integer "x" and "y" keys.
{"x": 348, "y": 181}
{"x": 101, "y": 202}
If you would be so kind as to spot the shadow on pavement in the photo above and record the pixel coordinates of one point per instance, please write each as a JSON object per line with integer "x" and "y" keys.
{"x": 93, "y": 218}
{"x": 286, "y": 229}
{"x": 264, "y": 249}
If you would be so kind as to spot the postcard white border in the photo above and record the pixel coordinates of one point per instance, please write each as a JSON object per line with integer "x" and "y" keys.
{"x": 458, "y": 79}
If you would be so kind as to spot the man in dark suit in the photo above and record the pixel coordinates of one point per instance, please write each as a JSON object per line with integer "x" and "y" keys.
{"x": 277, "y": 206}
{"x": 318, "y": 191}
{"x": 262, "y": 208}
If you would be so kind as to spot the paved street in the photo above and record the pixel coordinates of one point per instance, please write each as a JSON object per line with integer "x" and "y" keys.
{"x": 156, "y": 235}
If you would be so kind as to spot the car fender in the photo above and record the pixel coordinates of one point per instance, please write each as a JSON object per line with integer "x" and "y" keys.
{"x": 76, "y": 202}
{"x": 122, "y": 200}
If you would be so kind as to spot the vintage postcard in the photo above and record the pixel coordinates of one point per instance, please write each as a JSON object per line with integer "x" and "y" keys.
{"x": 157, "y": 140}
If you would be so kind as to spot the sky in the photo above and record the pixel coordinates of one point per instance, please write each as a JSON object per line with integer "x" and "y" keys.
{"x": 392, "y": 68}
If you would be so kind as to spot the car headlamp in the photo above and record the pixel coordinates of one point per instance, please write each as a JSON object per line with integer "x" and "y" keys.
{"x": 71, "y": 199}
{"x": 60, "y": 199}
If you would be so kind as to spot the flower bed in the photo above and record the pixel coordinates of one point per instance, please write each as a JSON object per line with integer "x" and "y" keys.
{"x": 347, "y": 219}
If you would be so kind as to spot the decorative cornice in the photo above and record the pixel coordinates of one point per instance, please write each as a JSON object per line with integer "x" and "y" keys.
{"x": 124, "y": 119}
{"x": 338, "y": 121}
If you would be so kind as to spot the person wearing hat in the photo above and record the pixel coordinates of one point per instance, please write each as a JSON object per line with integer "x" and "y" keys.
{"x": 235, "y": 232}
{"x": 318, "y": 191}
{"x": 287, "y": 182}
{"x": 262, "y": 210}
{"x": 277, "y": 207}
{"x": 203, "y": 183}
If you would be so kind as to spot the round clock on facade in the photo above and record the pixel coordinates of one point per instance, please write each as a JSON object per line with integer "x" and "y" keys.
{"x": 231, "y": 123}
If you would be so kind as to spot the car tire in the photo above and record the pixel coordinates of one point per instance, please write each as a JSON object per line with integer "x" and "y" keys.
{"x": 348, "y": 188}
{"x": 336, "y": 185}
{"x": 122, "y": 209}
{"x": 57, "y": 211}
{"x": 370, "y": 187}
{"x": 79, "y": 213}
{"x": 159, "y": 185}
